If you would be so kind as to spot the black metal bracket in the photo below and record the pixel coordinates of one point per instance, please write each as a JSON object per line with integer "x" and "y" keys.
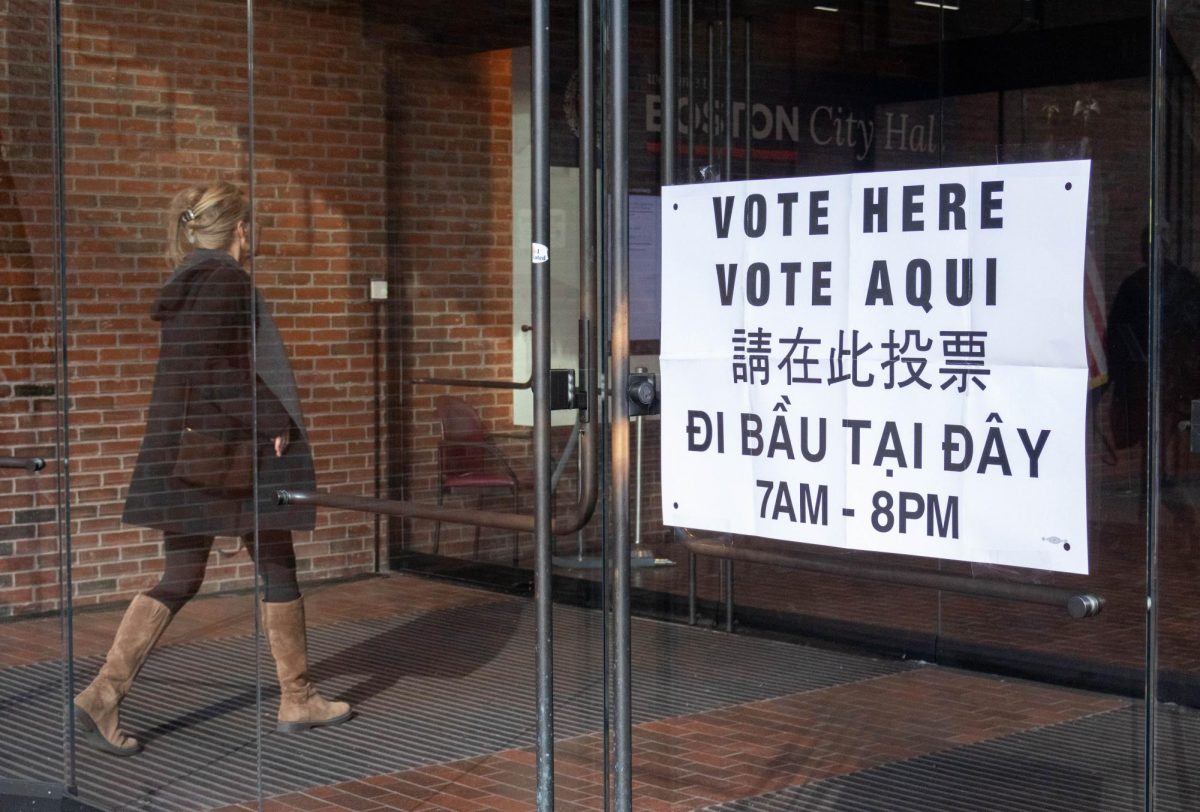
{"x": 562, "y": 389}
{"x": 641, "y": 390}
{"x": 1194, "y": 427}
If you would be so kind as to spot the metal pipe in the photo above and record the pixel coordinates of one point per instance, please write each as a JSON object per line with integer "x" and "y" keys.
{"x": 638, "y": 550}
{"x": 377, "y": 403}
{"x": 691, "y": 91}
{"x": 637, "y": 484}
{"x": 589, "y": 299}
{"x": 475, "y": 383}
{"x": 728, "y": 565}
{"x": 30, "y": 464}
{"x": 1078, "y": 604}
{"x": 749, "y": 119}
{"x": 255, "y": 541}
{"x": 669, "y": 103}
{"x": 1154, "y": 428}
{"x": 691, "y": 588}
{"x": 618, "y": 264}
{"x": 727, "y": 113}
{"x": 540, "y": 274}
{"x": 711, "y": 123}
{"x": 603, "y": 327}
{"x": 62, "y": 395}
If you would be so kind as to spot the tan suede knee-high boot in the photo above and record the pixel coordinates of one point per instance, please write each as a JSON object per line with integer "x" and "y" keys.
{"x": 300, "y": 706}
{"x": 98, "y": 707}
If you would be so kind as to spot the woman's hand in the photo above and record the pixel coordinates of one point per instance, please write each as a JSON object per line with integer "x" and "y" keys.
{"x": 281, "y": 444}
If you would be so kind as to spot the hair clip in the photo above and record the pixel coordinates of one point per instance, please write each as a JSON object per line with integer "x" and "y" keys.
{"x": 187, "y": 216}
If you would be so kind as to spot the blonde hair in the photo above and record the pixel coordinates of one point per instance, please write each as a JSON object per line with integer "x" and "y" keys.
{"x": 204, "y": 217}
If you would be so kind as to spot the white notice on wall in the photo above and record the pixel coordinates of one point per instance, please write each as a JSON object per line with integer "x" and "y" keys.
{"x": 891, "y": 361}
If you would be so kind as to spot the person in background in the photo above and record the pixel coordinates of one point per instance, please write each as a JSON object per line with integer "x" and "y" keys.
{"x": 224, "y": 408}
{"x": 1127, "y": 341}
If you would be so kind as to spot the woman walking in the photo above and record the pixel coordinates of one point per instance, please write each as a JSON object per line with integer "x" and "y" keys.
{"x": 224, "y": 403}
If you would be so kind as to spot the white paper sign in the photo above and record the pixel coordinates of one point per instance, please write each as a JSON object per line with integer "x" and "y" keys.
{"x": 891, "y": 361}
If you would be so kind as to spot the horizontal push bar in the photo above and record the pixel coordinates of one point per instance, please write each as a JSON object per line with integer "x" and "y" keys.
{"x": 1078, "y": 604}
{"x": 418, "y": 510}
{"x": 518, "y": 522}
{"x": 30, "y": 464}
{"x": 473, "y": 383}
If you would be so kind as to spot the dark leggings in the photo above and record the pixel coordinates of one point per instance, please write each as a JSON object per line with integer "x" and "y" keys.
{"x": 187, "y": 558}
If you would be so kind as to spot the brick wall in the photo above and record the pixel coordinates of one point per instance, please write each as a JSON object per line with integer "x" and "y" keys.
{"x": 451, "y": 196}
{"x": 156, "y": 96}
{"x": 28, "y": 321}
{"x": 377, "y": 153}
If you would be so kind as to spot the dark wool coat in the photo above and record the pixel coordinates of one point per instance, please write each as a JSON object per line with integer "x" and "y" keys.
{"x": 1127, "y": 341}
{"x": 204, "y": 375}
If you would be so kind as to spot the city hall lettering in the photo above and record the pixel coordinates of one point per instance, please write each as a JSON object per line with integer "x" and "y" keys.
{"x": 890, "y": 362}
{"x": 825, "y": 126}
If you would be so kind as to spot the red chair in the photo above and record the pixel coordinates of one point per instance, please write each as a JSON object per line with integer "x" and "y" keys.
{"x": 468, "y": 458}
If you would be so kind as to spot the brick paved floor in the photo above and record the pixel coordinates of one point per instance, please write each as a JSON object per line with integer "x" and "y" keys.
{"x": 210, "y": 617}
{"x": 680, "y": 763}
{"x": 689, "y": 762}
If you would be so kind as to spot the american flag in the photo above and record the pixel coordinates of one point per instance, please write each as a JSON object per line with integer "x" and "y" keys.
{"x": 1094, "y": 320}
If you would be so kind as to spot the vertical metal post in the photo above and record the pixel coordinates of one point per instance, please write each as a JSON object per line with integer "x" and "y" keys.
{"x": 62, "y": 413}
{"x": 728, "y": 563}
{"x": 603, "y": 416}
{"x": 540, "y": 274}
{"x": 1158, "y": 115}
{"x": 691, "y": 588}
{"x": 710, "y": 125}
{"x": 376, "y": 317}
{"x": 749, "y": 119}
{"x": 727, "y": 113}
{"x": 637, "y": 485}
{"x": 260, "y": 591}
{"x": 638, "y": 551}
{"x": 670, "y": 131}
{"x": 618, "y": 263}
{"x": 587, "y": 219}
{"x": 691, "y": 91}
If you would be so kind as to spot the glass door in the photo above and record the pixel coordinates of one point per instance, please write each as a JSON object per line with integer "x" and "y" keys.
{"x": 168, "y": 658}
{"x": 1166, "y": 290}
{"x": 35, "y": 540}
{"x": 861, "y": 90}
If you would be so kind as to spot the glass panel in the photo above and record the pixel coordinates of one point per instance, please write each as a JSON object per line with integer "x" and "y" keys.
{"x": 319, "y": 222}
{"x": 1177, "y": 311}
{"x": 1092, "y": 103}
{"x": 379, "y": 205}
{"x": 34, "y": 662}
{"x": 385, "y": 175}
{"x": 156, "y": 112}
{"x": 903, "y": 85}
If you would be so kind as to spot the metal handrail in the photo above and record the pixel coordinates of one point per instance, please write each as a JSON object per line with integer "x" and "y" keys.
{"x": 30, "y": 464}
{"x": 475, "y": 383}
{"x": 518, "y": 522}
{"x": 1078, "y": 604}
{"x": 479, "y": 383}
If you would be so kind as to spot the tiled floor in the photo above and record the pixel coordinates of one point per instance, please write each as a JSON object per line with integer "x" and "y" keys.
{"x": 708, "y": 732}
